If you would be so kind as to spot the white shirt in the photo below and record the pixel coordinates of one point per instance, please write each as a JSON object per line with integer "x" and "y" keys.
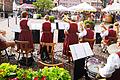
{"x": 84, "y": 33}
{"x": 105, "y": 33}
{"x": 113, "y": 63}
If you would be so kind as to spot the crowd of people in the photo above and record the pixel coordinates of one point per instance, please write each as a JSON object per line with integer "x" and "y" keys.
{"x": 74, "y": 33}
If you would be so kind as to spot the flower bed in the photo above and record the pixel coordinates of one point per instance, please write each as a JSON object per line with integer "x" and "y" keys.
{"x": 12, "y": 72}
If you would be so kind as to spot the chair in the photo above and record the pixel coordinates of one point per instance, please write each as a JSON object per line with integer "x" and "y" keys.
{"x": 50, "y": 50}
{"x": 22, "y": 48}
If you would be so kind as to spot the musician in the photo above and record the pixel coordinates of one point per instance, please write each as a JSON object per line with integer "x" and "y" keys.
{"x": 111, "y": 70}
{"x": 109, "y": 36}
{"x": 88, "y": 36}
{"x": 26, "y": 33}
{"x": 71, "y": 36}
{"x": 47, "y": 31}
{"x": 116, "y": 27}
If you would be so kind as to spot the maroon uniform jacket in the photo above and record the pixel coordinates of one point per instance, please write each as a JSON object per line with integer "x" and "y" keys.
{"x": 90, "y": 35}
{"x": 47, "y": 35}
{"x": 111, "y": 33}
{"x": 70, "y": 38}
{"x": 26, "y": 33}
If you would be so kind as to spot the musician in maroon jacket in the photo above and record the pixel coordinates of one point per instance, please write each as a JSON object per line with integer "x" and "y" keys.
{"x": 71, "y": 36}
{"x": 26, "y": 33}
{"x": 89, "y": 36}
{"x": 47, "y": 35}
{"x": 109, "y": 36}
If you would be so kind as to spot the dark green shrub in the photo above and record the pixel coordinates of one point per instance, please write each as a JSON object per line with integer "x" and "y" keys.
{"x": 39, "y": 16}
{"x": 52, "y": 18}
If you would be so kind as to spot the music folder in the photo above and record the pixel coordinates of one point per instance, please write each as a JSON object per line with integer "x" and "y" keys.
{"x": 81, "y": 50}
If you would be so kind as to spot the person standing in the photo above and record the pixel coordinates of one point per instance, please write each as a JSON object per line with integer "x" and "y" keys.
{"x": 71, "y": 36}
{"x": 26, "y": 33}
{"x": 89, "y": 37}
{"x": 47, "y": 31}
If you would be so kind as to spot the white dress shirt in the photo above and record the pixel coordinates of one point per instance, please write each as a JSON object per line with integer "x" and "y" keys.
{"x": 105, "y": 33}
{"x": 113, "y": 63}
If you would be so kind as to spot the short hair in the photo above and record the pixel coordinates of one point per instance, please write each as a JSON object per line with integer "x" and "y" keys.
{"x": 87, "y": 25}
{"x": 46, "y": 17}
{"x": 24, "y": 14}
{"x": 110, "y": 26}
{"x": 116, "y": 24}
{"x": 73, "y": 18}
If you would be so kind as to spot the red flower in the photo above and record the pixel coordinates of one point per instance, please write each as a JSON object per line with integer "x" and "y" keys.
{"x": 43, "y": 78}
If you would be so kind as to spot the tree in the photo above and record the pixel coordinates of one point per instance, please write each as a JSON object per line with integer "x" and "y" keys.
{"x": 43, "y": 5}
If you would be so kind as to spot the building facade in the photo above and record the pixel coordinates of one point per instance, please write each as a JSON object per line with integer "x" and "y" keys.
{"x": 6, "y": 5}
{"x": 69, "y": 3}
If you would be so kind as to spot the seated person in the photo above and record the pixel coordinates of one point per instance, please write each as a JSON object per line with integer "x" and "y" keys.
{"x": 109, "y": 36}
{"x": 111, "y": 71}
{"x": 4, "y": 43}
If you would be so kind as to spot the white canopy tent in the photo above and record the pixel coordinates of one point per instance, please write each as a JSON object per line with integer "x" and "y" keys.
{"x": 106, "y": 9}
{"x": 73, "y": 8}
{"x": 26, "y": 6}
{"x": 60, "y": 8}
{"x": 85, "y": 7}
{"x": 112, "y": 8}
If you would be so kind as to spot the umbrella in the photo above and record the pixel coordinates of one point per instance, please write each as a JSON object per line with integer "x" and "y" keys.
{"x": 85, "y": 7}
{"x": 72, "y": 8}
{"x": 60, "y": 8}
{"x": 106, "y": 9}
{"x": 26, "y": 6}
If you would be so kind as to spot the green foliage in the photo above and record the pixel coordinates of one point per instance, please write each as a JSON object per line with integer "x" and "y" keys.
{"x": 87, "y": 21}
{"x": 39, "y": 16}
{"x": 28, "y": 74}
{"x": 52, "y": 18}
{"x": 52, "y": 73}
{"x": 6, "y": 69}
{"x": 56, "y": 73}
{"x": 43, "y": 4}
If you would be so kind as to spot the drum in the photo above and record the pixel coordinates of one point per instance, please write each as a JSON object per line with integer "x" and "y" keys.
{"x": 92, "y": 67}
{"x": 113, "y": 48}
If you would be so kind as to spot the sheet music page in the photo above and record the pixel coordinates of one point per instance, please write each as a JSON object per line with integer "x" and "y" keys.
{"x": 77, "y": 51}
{"x": 87, "y": 48}
{"x": 80, "y": 50}
{"x": 74, "y": 55}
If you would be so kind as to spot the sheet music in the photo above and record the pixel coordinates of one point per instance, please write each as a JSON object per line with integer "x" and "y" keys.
{"x": 80, "y": 50}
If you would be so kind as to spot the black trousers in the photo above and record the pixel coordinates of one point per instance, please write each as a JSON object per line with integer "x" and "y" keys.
{"x": 79, "y": 69}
